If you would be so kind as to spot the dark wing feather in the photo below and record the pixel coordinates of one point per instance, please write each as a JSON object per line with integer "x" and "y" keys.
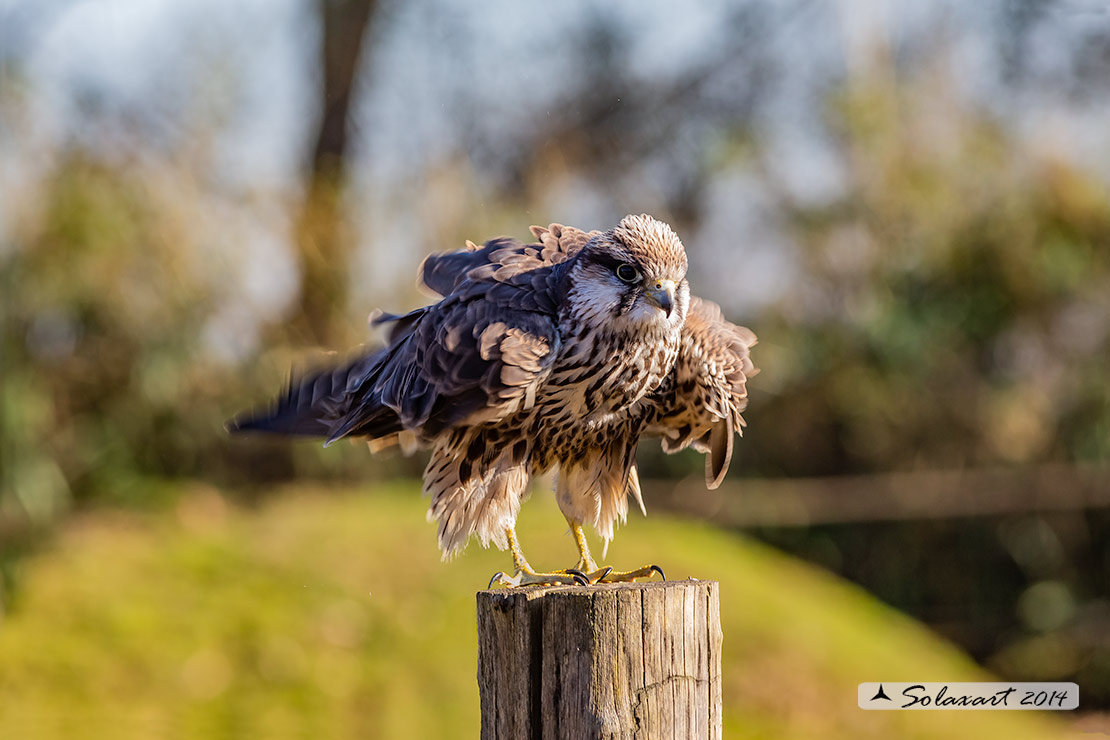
{"x": 700, "y": 403}
{"x": 443, "y": 273}
{"x": 311, "y": 400}
{"x": 477, "y": 355}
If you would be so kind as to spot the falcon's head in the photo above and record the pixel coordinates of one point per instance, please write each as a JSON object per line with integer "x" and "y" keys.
{"x": 632, "y": 278}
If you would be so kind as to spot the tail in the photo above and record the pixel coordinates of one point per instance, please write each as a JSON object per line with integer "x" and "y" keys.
{"x": 328, "y": 403}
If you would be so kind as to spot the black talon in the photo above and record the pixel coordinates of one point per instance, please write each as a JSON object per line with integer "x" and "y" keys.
{"x": 495, "y": 577}
{"x": 659, "y": 570}
{"x": 575, "y": 572}
{"x": 581, "y": 580}
{"x": 604, "y": 572}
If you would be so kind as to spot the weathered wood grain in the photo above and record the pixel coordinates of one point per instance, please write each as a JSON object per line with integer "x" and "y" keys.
{"x": 636, "y": 660}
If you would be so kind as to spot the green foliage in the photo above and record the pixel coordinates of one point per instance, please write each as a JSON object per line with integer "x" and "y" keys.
{"x": 330, "y": 615}
{"x": 954, "y": 305}
{"x": 105, "y": 297}
{"x": 110, "y": 291}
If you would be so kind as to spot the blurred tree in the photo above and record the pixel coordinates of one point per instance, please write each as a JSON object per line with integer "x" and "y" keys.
{"x": 954, "y": 309}
{"x": 617, "y": 128}
{"x": 106, "y": 293}
{"x": 109, "y": 294}
{"x": 324, "y": 239}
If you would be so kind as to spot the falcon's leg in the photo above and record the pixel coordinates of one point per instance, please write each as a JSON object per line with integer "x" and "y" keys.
{"x": 587, "y": 565}
{"x": 586, "y": 562}
{"x": 525, "y": 575}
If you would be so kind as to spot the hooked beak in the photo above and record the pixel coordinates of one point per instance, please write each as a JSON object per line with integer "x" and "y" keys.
{"x": 662, "y": 292}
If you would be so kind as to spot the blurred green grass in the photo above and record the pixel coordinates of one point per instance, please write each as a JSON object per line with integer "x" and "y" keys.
{"x": 327, "y": 613}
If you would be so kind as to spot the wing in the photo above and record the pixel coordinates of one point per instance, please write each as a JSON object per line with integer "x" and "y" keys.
{"x": 312, "y": 401}
{"x": 699, "y": 404}
{"x": 443, "y": 273}
{"x": 478, "y": 355}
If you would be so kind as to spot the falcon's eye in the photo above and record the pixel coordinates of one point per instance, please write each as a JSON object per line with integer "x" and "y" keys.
{"x": 628, "y": 273}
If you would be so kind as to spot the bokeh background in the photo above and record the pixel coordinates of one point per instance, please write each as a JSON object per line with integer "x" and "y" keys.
{"x": 908, "y": 203}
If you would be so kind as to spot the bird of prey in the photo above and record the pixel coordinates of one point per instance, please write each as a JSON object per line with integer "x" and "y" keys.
{"x": 558, "y": 354}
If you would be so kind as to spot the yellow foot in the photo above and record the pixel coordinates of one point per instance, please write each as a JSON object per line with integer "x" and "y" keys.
{"x": 569, "y": 577}
{"x": 586, "y": 565}
{"x": 608, "y": 575}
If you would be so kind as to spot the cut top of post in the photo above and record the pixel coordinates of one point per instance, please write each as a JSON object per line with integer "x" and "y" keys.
{"x": 630, "y": 660}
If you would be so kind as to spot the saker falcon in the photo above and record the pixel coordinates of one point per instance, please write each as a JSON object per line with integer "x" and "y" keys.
{"x": 555, "y": 355}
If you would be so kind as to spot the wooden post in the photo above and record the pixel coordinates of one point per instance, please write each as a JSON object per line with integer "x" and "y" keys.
{"x": 630, "y": 660}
